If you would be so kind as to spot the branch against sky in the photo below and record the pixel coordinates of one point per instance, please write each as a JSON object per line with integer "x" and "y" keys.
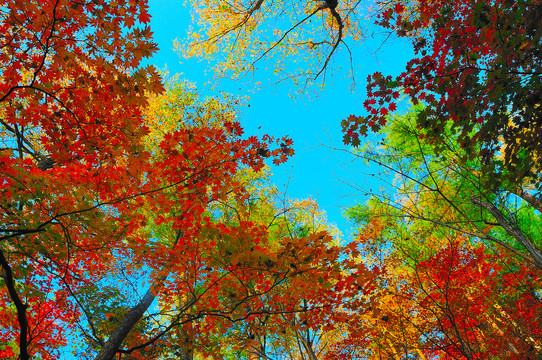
{"x": 295, "y": 40}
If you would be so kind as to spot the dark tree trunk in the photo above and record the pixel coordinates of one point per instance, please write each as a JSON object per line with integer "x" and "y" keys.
{"x": 128, "y": 321}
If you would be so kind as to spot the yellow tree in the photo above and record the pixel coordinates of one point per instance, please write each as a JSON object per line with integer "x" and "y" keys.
{"x": 295, "y": 40}
{"x": 239, "y": 35}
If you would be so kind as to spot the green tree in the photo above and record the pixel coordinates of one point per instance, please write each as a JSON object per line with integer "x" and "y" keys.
{"x": 441, "y": 188}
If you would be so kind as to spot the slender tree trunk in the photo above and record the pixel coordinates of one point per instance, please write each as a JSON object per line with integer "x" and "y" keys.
{"x": 185, "y": 351}
{"x": 255, "y": 349}
{"x": 308, "y": 348}
{"x": 128, "y": 321}
{"x": 253, "y": 354}
{"x": 532, "y": 200}
{"x": 20, "y": 306}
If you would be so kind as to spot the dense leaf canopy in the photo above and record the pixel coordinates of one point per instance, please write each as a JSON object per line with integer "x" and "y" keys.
{"x": 138, "y": 220}
{"x": 478, "y": 64}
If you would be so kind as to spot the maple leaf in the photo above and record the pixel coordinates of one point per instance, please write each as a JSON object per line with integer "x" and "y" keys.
{"x": 144, "y": 16}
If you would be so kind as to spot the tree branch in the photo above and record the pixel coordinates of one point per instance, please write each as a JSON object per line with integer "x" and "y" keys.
{"x": 511, "y": 227}
{"x": 339, "y": 39}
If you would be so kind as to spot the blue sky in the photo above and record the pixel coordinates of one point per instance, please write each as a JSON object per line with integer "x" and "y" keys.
{"x": 312, "y": 121}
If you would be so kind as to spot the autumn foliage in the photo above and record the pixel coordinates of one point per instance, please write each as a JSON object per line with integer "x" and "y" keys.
{"x": 138, "y": 222}
{"x": 476, "y": 63}
{"x": 456, "y": 242}
{"x": 96, "y": 193}
{"x": 459, "y": 303}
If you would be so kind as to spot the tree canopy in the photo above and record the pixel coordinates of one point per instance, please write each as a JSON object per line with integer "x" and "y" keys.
{"x": 106, "y": 179}
{"x": 478, "y": 65}
{"x": 139, "y": 221}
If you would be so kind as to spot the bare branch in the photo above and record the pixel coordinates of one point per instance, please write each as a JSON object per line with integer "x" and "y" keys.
{"x": 337, "y": 41}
